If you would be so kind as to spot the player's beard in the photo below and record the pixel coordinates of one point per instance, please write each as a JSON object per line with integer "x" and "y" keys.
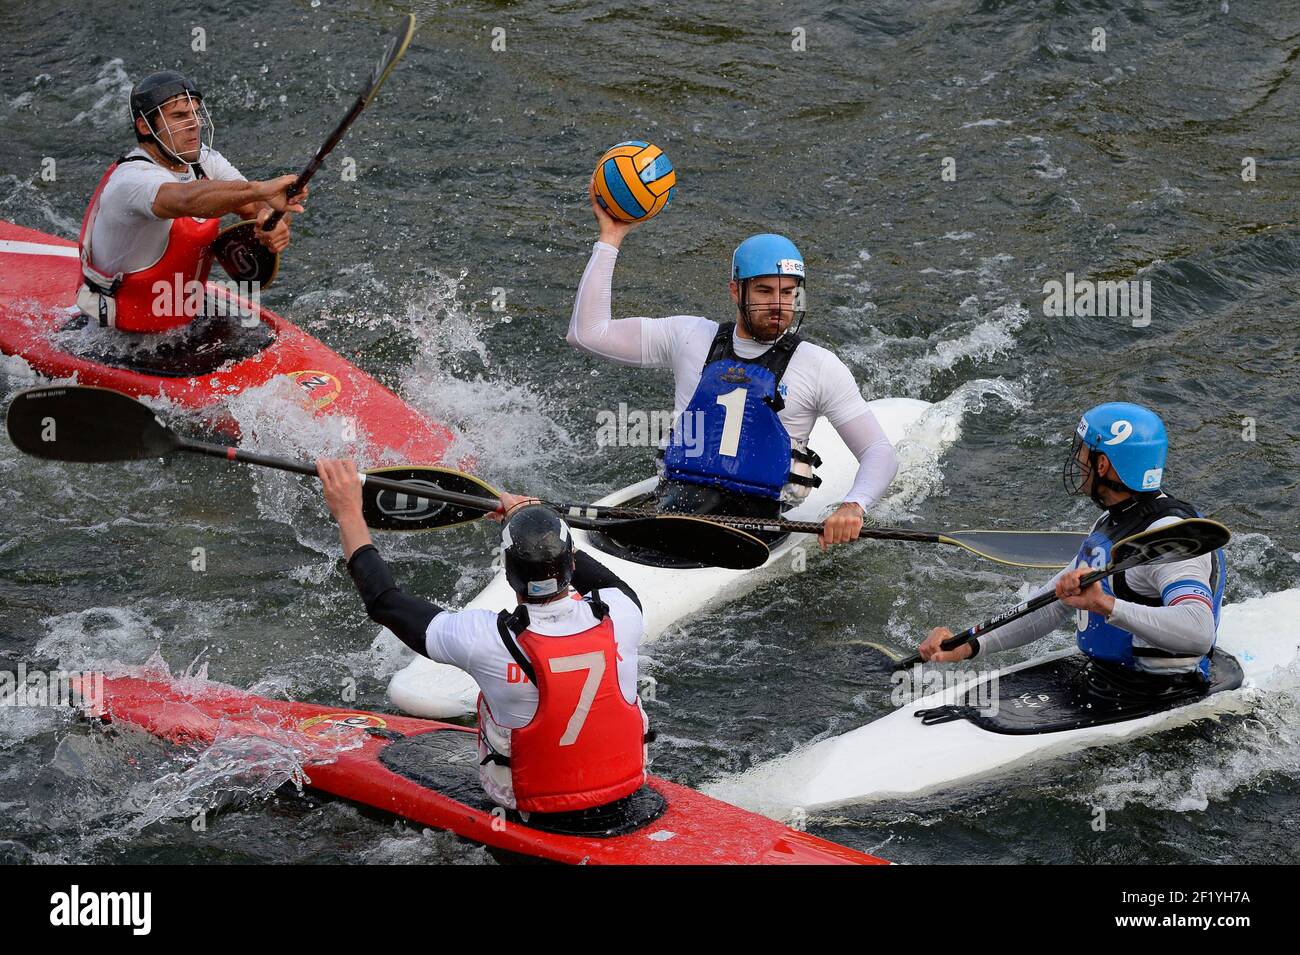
{"x": 766, "y": 325}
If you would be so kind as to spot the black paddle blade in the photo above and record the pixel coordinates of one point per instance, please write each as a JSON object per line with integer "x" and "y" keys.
{"x": 387, "y": 510}
{"x": 1161, "y": 545}
{"x": 244, "y": 258}
{"x": 689, "y": 538}
{"x": 67, "y": 423}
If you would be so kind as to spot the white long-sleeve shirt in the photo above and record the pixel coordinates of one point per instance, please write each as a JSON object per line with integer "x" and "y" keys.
{"x": 816, "y": 382}
{"x": 1184, "y": 625}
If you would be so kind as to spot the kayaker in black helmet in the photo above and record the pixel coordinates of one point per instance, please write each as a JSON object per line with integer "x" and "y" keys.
{"x": 561, "y": 729}
{"x": 157, "y": 209}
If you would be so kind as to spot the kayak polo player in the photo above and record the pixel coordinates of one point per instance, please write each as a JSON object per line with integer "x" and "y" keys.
{"x": 754, "y": 387}
{"x": 157, "y": 210}
{"x": 1154, "y": 626}
{"x": 560, "y": 725}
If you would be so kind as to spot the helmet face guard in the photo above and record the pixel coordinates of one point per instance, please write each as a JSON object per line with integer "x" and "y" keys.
{"x": 769, "y": 256}
{"x": 198, "y": 118}
{"x": 1075, "y": 474}
{"x": 751, "y": 311}
{"x": 158, "y": 90}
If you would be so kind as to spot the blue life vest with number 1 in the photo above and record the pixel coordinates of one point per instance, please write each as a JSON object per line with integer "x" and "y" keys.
{"x": 1099, "y": 638}
{"x": 730, "y": 434}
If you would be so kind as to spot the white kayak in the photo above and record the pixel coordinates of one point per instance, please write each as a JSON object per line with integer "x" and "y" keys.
{"x": 437, "y": 691}
{"x": 900, "y": 756}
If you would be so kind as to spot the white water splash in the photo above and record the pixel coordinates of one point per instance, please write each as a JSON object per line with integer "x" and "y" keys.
{"x": 404, "y": 846}
{"x": 107, "y": 95}
{"x": 920, "y": 471}
{"x": 1201, "y": 770}
{"x": 500, "y": 420}
{"x": 90, "y": 639}
{"x": 20, "y": 198}
{"x": 908, "y": 366}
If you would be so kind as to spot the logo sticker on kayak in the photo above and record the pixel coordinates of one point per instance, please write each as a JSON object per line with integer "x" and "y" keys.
{"x": 1030, "y": 701}
{"x": 340, "y": 724}
{"x": 321, "y": 387}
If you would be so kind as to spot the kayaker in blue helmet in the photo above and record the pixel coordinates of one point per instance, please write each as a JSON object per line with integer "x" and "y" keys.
{"x": 1155, "y": 624}
{"x": 747, "y": 391}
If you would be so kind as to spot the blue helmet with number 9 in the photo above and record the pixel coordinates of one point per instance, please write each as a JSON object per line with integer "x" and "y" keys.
{"x": 1133, "y": 438}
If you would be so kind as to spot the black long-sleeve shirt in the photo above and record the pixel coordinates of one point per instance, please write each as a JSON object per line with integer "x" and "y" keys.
{"x": 409, "y": 617}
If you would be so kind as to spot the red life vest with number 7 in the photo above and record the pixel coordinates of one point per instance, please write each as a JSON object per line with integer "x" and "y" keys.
{"x": 585, "y": 745}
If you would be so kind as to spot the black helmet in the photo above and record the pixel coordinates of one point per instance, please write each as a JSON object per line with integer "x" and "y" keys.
{"x": 538, "y": 552}
{"x": 156, "y": 89}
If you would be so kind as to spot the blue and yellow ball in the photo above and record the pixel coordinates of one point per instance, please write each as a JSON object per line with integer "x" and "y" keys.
{"x": 634, "y": 181}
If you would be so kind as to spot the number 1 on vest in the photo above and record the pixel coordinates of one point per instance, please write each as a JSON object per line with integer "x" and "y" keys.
{"x": 734, "y": 403}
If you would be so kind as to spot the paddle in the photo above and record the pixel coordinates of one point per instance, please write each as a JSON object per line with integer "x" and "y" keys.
{"x": 1041, "y": 549}
{"x": 95, "y": 424}
{"x": 237, "y": 247}
{"x": 1186, "y": 539}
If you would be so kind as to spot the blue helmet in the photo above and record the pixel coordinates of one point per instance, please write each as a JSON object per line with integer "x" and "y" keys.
{"x": 1132, "y": 437}
{"x": 766, "y": 254}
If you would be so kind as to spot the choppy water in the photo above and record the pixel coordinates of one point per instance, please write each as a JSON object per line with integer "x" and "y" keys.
{"x": 1117, "y": 164}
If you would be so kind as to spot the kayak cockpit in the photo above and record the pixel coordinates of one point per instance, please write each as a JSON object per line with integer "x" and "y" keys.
{"x": 446, "y": 761}
{"x": 1070, "y": 693}
{"x": 200, "y": 348}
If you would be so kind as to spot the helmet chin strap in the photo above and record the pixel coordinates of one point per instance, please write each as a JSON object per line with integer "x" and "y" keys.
{"x": 1098, "y": 482}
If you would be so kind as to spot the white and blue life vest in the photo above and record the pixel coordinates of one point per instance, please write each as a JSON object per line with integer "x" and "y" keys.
{"x": 730, "y": 434}
{"x": 1102, "y": 640}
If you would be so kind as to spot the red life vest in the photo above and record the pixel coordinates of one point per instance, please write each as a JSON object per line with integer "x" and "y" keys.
{"x": 132, "y": 293}
{"x": 585, "y": 745}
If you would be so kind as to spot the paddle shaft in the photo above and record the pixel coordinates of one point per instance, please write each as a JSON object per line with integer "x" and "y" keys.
{"x": 363, "y": 99}
{"x": 1020, "y": 610}
{"x": 486, "y": 505}
{"x": 310, "y": 169}
{"x": 772, "y": 524}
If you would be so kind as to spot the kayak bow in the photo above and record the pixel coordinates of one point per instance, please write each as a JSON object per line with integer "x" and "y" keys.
{"x": 39, "y": 275}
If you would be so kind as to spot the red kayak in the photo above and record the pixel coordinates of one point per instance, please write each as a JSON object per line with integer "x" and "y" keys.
{"x": 427, "y": 772}
{"x": 39, "y": 277}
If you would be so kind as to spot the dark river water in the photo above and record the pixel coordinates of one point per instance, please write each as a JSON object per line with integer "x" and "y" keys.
{"x": 1092, "y": 139}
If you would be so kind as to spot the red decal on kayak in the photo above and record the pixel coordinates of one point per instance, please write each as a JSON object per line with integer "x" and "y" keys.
{"x": 340, "y": 724}
{"x": 321, "y": 387}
